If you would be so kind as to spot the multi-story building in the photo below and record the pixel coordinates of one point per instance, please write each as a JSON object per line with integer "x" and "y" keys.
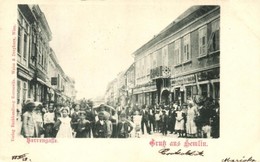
{"x": 130, "y": 84}
{"x": 182, "y": 61}
{"x": 111, "y": 92}
{"x": 36, "y": 62}
{"x": 62, "y": 86}
{"x": 69, "y": 89}
{"x": 121, "y": 89}
{"x": 32, "y": 54}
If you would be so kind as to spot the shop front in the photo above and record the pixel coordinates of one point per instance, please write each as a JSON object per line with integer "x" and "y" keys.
{"x": 209, "y": 83}
{"x": 23, "y": 86}
{"x": 145, "y": 94}
{"x": 182, "y": 88}
{"x": 205, "y": 84}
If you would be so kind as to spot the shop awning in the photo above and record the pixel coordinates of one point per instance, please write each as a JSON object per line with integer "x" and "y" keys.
{"x": 26, "y": 76}
{"x": 43, "y": 82}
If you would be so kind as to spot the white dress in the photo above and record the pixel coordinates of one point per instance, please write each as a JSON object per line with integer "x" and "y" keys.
{"x": 65, "y": 130}
{"x": 191, "y": 127}
{"x": 179, "y": 125}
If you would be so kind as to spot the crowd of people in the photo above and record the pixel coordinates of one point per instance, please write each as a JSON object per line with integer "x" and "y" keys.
{"x": 189, "y": 120}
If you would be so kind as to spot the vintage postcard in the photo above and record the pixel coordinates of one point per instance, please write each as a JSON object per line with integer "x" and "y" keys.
{"x": 129, "y": 81}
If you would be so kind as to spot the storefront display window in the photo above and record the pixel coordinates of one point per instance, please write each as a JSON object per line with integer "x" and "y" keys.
{"x": 188, "y": 92}
{"x": 204, "y": 90}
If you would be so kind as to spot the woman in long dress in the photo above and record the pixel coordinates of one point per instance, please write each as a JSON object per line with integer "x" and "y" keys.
{"x": 192, "y": 112}
{"x": 65, "y": 130}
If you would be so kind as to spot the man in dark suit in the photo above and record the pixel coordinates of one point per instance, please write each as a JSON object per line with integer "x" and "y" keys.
{"x": 164, "y": 122}
{"x": 145, "y": 120}
{"x": 124, "y": 127}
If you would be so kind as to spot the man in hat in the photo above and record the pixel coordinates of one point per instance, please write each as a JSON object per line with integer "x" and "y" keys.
{"x": 124, "y": 127}
{"x": 90, "y": 116}
{"x": 75, "y": 116}
{"x": 83, "y": 127}
{"x": 145, "y": 120}
{"x": 164, "y": 122}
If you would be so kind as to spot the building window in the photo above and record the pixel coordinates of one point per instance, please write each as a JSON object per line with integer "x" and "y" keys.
{"x": 215, "y": 36}
{"x": 203, "y": 41}
{"x": 19, "y": 44}
{"x": 204, "y": 90}
{"x": 150, "y": 61}
{"x": 18, "y": 91}
{"x": 25, "y": 47}
{"x": 143, "y": 66}
{"x": 39, "y": 93}
{"x": 24, "y": 91}
{"x": 186, "y": 48}
{"x": 33, "y": 50}
{"x": 177, "y": 52}
{"x": 165, "y": 55}
{"x": 189, "y": 92}
{"x": 148, "y": 64}
{"x": 154, "y": 63}
{"x": 43, "y": 57}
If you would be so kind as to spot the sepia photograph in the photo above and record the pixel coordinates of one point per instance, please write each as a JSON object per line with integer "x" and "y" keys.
{"x": 119, "y": 80}
{"x": 170, "y": 88}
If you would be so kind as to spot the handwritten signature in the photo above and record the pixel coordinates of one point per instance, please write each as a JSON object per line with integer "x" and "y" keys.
{"x": 244, "y": 159}
{"x": 23, "y": 157}
{"x": 166, "y": 151}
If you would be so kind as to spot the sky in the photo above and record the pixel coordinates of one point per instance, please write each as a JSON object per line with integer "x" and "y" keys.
{"x": 94, "y": 41}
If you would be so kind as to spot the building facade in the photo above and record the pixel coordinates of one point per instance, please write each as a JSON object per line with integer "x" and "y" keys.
{"x": 182, "y": 61}
{"x": 36, "y": 61}
{"x": 130, "y": 84}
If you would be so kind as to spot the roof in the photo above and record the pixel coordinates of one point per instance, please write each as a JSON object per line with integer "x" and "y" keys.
{"x": 185, "y": 18}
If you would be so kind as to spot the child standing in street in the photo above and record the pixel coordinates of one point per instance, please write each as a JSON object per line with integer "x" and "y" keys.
{"x": 137, "y": 121}
{"x": 48, "y": 119}
{"x": 124, "y": 127}
{"x": 179, "y": 126}
{"x": 65, "y": 130}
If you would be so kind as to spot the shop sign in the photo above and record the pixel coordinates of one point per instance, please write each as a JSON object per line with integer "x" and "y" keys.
{"x": 145, "y": 88}
{"x": 184, "y": 80}
{"x": 207, "y": 75}
{"x": 24, "y": 75}
{"x": 54, "y": 81}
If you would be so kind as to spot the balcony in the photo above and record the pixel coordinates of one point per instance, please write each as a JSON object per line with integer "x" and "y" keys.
{"x": 160, "y": 72}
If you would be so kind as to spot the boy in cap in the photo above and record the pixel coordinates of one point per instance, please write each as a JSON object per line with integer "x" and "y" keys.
{"x": 124, "y": 127}
{"x": 100, "y": 127}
